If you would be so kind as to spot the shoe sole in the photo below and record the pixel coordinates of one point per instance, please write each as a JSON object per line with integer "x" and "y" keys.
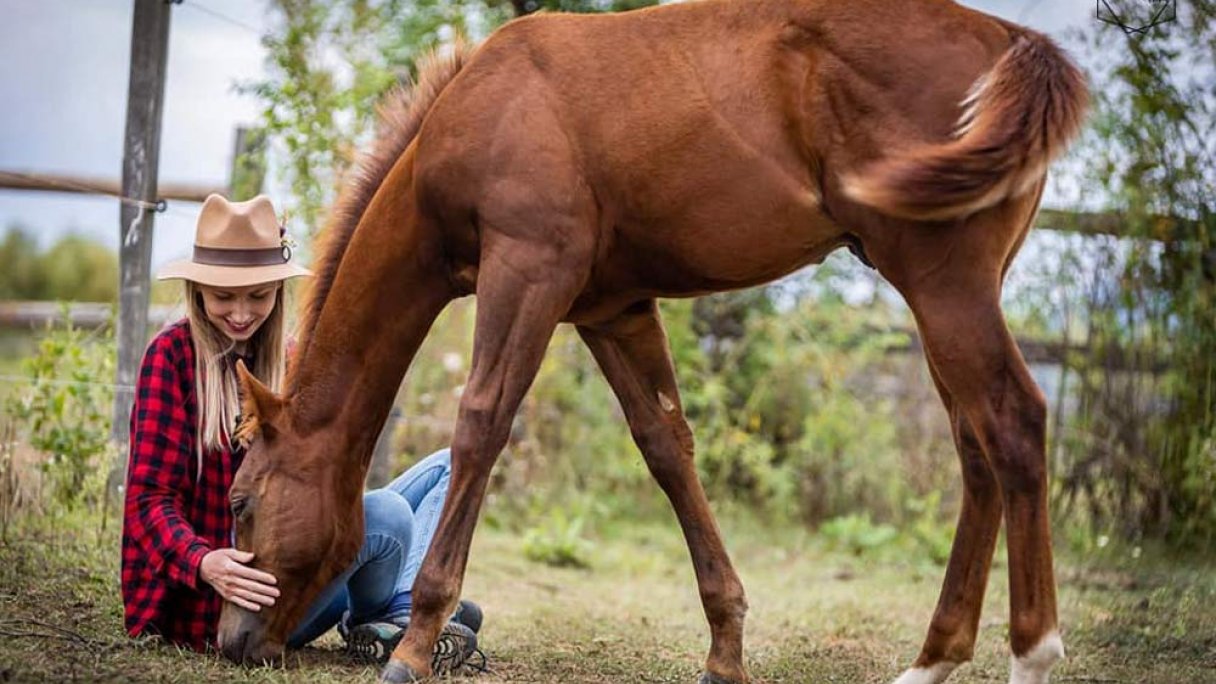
{"x": 366, "y": 646}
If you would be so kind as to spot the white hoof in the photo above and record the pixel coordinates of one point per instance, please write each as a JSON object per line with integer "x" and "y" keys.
{"x": 934, "y": 674}
{"x": 1034, "y": 667}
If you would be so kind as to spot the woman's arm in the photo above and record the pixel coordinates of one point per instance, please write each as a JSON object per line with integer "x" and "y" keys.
{"x": 160, "y": 473}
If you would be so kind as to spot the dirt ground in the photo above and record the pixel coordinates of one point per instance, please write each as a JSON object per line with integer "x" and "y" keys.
{"x": 816, "y": 615}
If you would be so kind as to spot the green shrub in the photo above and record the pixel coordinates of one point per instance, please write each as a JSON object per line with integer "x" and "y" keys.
{"x": 858, "y": 534}
{"x": 558, "y": 541}
{"x": 928, "y": 534}
{"x": 65, "y": 409}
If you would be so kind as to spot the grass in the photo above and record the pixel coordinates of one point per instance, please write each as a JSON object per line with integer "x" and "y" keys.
{"x": 634, "y": 616}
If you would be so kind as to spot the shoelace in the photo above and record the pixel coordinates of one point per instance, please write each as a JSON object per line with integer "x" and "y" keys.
{"x": 484, "y": 666}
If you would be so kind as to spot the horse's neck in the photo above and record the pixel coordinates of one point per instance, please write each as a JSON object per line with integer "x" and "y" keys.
{"x": 344, "y": 395}
{"x": 385, "y": 294}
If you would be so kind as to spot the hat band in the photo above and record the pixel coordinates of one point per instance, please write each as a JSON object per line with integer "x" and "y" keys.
{"x": 213, "y": 256}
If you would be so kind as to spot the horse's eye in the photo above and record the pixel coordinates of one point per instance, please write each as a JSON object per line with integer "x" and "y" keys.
{"x": 238, "y": 505}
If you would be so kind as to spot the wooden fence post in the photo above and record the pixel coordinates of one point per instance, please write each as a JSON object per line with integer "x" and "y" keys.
{"x": 145, "y": 100}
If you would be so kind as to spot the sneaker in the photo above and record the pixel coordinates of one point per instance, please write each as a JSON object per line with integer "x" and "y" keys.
{"x": 456, "y": 644}
{"x": 375, "y": 641}
{"x": 468, "y": 614}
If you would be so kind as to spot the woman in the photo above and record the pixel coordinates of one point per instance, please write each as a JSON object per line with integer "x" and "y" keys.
{"x": 177, "y": 561}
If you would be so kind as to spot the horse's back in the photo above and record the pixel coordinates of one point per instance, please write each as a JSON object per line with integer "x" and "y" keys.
{"x": 702, "y": 133}
{"x": 712, "y": 78}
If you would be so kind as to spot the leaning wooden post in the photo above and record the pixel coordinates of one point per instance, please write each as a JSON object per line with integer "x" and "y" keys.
{"x": 145, "y": 98}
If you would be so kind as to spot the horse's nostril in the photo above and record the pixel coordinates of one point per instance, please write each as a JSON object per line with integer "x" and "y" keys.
{"x": 233, "y": 647}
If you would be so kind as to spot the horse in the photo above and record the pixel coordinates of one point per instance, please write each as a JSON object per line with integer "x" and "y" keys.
{"x": 576, "y": 168}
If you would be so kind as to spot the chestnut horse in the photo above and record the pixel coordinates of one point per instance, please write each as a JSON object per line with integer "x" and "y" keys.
{"x": 574, "y": 168}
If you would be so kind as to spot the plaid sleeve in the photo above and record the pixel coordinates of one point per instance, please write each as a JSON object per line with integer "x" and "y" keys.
{"x": 160, "y": 476}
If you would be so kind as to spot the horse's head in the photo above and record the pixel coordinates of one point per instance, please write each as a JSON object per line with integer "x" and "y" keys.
{"x": 292, "y": 511}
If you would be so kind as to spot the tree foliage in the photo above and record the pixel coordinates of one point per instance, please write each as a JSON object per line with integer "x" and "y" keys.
{"x": 74, "y": 269}
{"x": 1140, "y": 454}
{"x": 331, "y": 62}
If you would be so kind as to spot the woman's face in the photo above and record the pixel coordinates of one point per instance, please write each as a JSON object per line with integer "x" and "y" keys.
{"x": 238, "y": 312}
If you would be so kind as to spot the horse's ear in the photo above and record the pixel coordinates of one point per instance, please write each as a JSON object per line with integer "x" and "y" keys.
{"x": 261, "y": 409}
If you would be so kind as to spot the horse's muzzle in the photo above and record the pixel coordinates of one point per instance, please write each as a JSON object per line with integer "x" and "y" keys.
{"x": 242, "y": 639}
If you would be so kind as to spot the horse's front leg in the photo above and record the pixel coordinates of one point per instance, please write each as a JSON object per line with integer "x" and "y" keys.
{"x": 521, "y": 297}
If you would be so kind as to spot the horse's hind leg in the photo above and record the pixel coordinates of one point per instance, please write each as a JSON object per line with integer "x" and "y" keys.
{"x": 952, "y": 633}
{"x": 520, "y": 300}
{"x": 982, "y": 368}
{"x": 951, "y": 277}
{"x": 632, "y": 350}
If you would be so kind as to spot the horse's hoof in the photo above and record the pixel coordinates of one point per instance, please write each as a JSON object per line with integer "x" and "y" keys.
{"x": 396, "y": 672}
{"x": 711, "y": 678}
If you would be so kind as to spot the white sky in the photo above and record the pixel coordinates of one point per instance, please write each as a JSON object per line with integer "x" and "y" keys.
{"x": 63, "y": 83}
{"x": 63, "y": 78}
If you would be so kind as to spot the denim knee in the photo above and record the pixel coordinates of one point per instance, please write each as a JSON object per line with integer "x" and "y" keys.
{"x": 441, "y": 457}
{"x": 387, "y": 513}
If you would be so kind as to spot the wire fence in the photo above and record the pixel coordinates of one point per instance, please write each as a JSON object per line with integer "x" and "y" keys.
{"x": 221, "y": 16}
{"x": 30, "y": 380}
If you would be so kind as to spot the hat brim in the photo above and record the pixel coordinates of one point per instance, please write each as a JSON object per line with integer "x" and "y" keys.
{"x": 229, "y": 276}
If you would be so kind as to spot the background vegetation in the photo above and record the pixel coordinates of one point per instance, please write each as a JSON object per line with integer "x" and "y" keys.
{"x": 73, "y": 269}
{"x": 819, "y": 436}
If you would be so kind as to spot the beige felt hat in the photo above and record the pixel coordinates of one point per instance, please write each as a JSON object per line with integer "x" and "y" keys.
{"x": 236, "y": 244}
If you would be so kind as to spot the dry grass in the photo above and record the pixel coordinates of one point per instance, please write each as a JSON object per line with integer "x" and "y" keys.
{"x": 634, "y": 617}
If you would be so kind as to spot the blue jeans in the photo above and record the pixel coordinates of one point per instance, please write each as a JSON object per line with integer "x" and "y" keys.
{"x": 399, "y": 522}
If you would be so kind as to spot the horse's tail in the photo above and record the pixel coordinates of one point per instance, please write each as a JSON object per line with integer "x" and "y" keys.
{"x": 1017, "y": 118}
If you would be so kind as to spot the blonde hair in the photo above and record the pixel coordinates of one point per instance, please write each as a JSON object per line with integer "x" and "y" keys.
{"x": 215, "y": 381}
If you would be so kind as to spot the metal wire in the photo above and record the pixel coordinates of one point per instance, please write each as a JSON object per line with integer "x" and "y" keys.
{"x": 222, "y": 17}
{"x": 28, "y": 380}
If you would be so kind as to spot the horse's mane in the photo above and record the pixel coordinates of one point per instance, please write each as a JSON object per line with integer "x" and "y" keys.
{"x": 400, "y": 115}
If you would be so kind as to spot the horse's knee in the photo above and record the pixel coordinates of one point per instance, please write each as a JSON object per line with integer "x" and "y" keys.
{"x": 667, "y": 449}
{"x": 480, "y": 433}
{"x": 979, "y": 480}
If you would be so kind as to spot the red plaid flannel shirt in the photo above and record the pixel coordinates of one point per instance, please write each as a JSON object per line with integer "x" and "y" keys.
{"x": 173, "y": 516}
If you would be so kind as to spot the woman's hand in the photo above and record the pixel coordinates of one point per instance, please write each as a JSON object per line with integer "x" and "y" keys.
{"x": 247, "y": 587}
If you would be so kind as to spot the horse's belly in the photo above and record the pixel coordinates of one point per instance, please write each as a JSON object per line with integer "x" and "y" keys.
{"x": 741, "y": 256}
{"x": 708, "y": 252}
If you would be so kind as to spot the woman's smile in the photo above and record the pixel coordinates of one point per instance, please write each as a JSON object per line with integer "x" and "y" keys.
{"x": 238, "y": 328}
